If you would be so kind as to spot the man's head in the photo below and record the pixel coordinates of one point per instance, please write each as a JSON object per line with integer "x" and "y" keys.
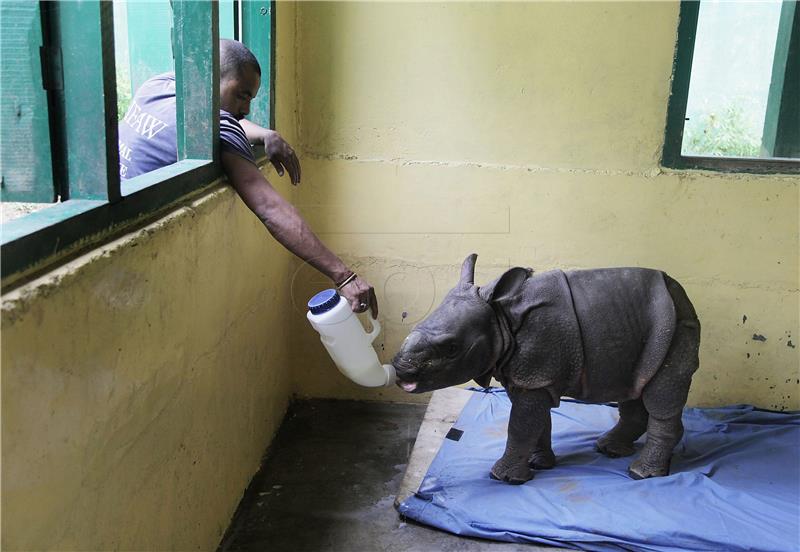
{"x": 239, "y": 77}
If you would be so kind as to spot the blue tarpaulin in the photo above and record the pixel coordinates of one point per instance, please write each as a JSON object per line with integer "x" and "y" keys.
{"x": 734, "y": 483}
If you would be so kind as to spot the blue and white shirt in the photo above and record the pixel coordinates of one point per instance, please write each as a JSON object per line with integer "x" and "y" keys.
{"x": 148, "y": 139}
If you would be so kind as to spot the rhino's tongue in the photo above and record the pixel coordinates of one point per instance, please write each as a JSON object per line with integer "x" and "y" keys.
{"x": 408, "y": 386}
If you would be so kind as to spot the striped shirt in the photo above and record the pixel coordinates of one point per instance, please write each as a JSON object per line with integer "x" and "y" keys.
{"x": 232, "y": 137}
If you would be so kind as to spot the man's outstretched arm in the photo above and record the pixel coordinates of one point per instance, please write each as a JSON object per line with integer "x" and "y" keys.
{"x": 287, "y": 226}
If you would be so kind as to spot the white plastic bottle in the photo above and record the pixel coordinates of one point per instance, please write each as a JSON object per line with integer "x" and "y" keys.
{"x": 348, "y": 344}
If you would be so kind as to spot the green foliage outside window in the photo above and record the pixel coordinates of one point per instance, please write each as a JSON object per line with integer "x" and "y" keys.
{"x": 123, "y": 93}
{"x": 727, "y": 133}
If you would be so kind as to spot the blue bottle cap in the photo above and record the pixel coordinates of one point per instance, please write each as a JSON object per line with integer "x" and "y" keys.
{"x": 323, "y": 301}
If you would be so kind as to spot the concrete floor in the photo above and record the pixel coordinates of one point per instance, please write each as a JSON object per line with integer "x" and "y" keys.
{"x": 329, "y": 480}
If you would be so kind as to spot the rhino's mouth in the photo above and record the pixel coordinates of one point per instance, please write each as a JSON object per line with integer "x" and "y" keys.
{"x": 405, "y": 375}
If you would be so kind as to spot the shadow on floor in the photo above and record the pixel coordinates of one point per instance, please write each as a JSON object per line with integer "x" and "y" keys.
{"x": 329, "y": 480}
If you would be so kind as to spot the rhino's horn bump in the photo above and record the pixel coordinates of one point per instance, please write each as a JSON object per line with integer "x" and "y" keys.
{"x": 468, "y": 269}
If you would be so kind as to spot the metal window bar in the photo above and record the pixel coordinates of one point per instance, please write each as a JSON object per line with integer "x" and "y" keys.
{"x": 781, "y": 137}
{"x": 196, "y": 79}
{"x": 257, "y": 32}
{"x": 85, "y": 31}
{"x": 26, "y": 173}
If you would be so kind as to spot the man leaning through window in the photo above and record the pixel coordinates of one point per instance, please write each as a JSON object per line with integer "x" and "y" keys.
{"x": 148, "y": 141}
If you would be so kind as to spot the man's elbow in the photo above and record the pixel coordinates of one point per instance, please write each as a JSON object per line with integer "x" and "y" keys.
{"x": 274, "y": 212}
{"x": 255, "y": 193}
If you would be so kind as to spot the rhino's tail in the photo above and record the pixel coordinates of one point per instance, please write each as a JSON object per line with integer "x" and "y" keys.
{"x": 685, "y": 315}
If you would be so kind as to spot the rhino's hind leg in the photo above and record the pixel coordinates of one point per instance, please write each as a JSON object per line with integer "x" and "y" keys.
{"x": 631, "y": 425}
{"x": 664, "y": 398}
{"x": 543, "y": 457}
{"x": 662, "y": 436}
{"x": 665, "y": 395}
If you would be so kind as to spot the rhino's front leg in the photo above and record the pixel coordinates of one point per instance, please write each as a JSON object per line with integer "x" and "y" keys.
{"x": 529, "y": 413}
{"x": 543, "y": 456}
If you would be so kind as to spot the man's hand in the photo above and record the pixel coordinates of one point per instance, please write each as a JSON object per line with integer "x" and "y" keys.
{"x": 361, "y": 296}
{"x": 278, "y": 151}
{"x": 282, "y": 156}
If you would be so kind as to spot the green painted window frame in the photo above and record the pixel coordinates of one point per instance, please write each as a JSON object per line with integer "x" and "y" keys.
{"x": 257, "y": 32}
{"x": 785, "y": 118}
{"x": 95, "y": 204}
{"x": 26, "y": 175}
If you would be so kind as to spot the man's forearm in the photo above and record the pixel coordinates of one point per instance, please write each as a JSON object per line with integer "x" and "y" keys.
{"x": 287, "y": 226}
{"x": 281, "y": 218}
{"x": 254, "y": 132}
{"x": 278, "y": 151}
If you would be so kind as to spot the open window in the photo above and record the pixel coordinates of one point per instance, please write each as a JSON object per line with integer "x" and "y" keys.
{"x": 735, "y": 102}
{"x": 69, "y": 70}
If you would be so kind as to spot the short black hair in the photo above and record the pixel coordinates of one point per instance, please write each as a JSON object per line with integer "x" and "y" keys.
{"x": 233, "y": 58}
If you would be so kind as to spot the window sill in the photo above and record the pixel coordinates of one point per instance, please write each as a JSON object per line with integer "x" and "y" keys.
{"x": 754, "y": 165}
{"x": 42, "y": 238}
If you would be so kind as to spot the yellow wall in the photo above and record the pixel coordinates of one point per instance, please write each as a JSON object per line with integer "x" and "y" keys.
{"x": 141, "y": 384}
{"x": 530, "y": 133}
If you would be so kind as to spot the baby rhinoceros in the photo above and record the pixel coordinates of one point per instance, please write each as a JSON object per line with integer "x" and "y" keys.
{"x": 617, "y": 334}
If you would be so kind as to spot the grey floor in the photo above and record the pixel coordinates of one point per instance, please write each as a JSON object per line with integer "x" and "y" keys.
{"x": 329, "y": 480}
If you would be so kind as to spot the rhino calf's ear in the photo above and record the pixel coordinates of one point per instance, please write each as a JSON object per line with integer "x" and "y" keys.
{"x": 507, "y": 286}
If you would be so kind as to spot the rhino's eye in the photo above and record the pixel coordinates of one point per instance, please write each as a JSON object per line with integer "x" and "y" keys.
{"x": 451, "y": 348}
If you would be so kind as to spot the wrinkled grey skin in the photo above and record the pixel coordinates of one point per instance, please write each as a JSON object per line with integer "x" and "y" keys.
{"x": 629, "y": 335}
